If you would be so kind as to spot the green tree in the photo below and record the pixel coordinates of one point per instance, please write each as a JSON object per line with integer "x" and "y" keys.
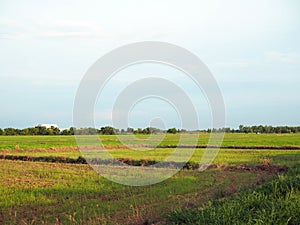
{"x": 41, "y": 130}
{"x": 9, "y": 131}
{"x": 172, "y": 130}
{"x": 241, "y": 128}
{"x": 24, "y": 131}
{"x": 107, "y": 130}
{"x": 72, "y": 130}
{"x": 146, "y": 131}
{"x": 154, "y": 130}
{"x": 55, "y": 130}
{"x": 138, "y": 131}
{"x": 65, "y": 132}
{"x": 49, "y": 131}
{"x": 33, "y": 131}
{"x": 130, "y": 130}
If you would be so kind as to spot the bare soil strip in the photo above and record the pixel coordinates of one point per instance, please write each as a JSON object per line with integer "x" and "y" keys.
{"x": 190, "y": 166}
{"x": 235, "y": 147}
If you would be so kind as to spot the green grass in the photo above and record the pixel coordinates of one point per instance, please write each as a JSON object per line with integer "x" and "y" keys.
{"x": 275, "y": 202}
{"x": 36, "y": 142}
{"x": 225, "y": 156}
{"x": 46, "y": 192}
{"x": 49, "y": 193}
{"x": 65, "y": 146}
{"x": 236, "y": 139}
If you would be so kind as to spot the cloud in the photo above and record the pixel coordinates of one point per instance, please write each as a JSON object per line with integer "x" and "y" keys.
{"x": 11, "y": 30}
{"x": 10, "y": 36}
{"x": 288, "y": 58}
{"x": 17, "y": 30}
{"x": 57, "y": 34}
{"x": 67, "y": 28}
{"x": 231, "y": 64}
{"x": 62, "y": 28}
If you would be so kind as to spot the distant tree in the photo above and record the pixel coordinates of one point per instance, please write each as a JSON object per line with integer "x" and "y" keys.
{"x": 268, "y": 129}
{"x": 85, "y": 131}
{"x": 227, "y": 130}
{"x": 92, "y": 131}
{"x": 108, "y": 130}
{"x": 154, "y": 130}
{"x": 241, "y": 128}
{"x": 33, "y": 131}
{"x": 55, "y": 130}
{"x": 138, "y": 131}
{"x": 65, "y": 132}
{"x": 72, "y": 130}
{"x": 24, "y": 131}
{"x": 49, "y": 131}
{"x": 146, "y": 131}
{"x": 130, "y": 130}
{"x": 172, "y": 130}
{"x": 9, "y": 131}
{"x": 18, "y": 131}
{"x": 41, "y": 130}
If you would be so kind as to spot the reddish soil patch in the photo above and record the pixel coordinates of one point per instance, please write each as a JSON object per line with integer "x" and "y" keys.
{"x": 274, "y": 169}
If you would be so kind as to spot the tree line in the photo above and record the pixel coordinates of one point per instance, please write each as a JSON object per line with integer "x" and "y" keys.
{"x": 260, "y": 129}
{"x": 108, "y": 130}
{"x": 269, "y": 129}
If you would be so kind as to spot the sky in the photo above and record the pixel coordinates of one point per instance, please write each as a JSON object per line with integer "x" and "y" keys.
{"x": 251, "y": 47}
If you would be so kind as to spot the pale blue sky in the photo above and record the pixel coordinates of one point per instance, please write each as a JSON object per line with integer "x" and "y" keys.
{"x": 251, "y": 47}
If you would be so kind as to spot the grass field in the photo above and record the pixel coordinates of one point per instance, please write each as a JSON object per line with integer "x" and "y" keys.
{"x": 236, "y": 139}
{"x": 60, "y": 193}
